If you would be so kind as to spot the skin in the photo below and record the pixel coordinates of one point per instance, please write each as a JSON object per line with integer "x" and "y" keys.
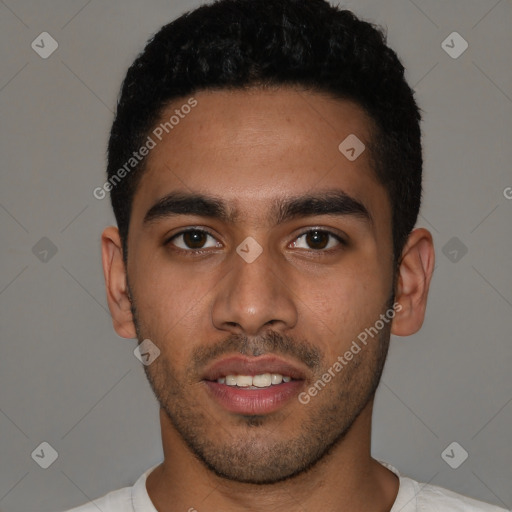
{"x": 296, "y": 300}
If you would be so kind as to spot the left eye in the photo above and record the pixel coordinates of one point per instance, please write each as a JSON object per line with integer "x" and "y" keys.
{"x": 318, "y": 239}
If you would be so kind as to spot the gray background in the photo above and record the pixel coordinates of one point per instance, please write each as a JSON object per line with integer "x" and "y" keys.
{"x": 67, "y": 379}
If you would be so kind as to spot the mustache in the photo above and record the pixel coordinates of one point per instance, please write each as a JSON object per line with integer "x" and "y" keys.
{"x": 271, "y": 342}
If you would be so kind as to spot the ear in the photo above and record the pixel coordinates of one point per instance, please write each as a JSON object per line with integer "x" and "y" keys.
{"x": 414, "y": 275}
{"x": 114, "y": 271}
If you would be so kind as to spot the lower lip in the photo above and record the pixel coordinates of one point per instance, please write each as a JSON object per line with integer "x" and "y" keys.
{"x": 253, "y": 401}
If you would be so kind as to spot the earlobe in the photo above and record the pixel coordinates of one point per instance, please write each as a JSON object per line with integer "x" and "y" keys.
{"x": 114, "y": 271}
{"x": 414, "y": 275}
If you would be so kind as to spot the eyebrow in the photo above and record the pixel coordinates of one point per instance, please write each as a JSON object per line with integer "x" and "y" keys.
{"x": 330, "y": 202}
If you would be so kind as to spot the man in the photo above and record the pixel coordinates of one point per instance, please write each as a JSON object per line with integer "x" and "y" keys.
{"x": 265, "y": 172}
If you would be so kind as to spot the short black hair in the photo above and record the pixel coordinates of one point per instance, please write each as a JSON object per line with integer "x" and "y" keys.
{"x": 235, "y": 44}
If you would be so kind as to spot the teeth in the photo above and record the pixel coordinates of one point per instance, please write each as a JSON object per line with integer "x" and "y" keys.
{"x": 230, "y": 380}
{"x": 258, "y": 381}
{"x": 243, "y": 381}
{"x": 277, "y": 378}
{"x": 262, "y": 381}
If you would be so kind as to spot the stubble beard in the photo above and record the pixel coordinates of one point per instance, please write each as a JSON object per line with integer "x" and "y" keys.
{"x": 253, "y": 449}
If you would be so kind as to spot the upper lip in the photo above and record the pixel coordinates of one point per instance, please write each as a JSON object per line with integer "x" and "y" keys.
{"x": 240, "y": 365}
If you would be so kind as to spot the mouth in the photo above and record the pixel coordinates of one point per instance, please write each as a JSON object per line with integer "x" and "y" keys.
{"x": 263, "y": 380}
{"x": 253, "y": 386}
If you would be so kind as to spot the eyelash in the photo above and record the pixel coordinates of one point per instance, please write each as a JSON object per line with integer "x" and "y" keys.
{"x": 192, "y": 252}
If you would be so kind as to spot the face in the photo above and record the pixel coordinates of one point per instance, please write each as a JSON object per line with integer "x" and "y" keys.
{"x": 282, "y": 264}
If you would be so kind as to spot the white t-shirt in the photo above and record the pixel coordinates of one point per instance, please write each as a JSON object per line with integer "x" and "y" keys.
{"x": 412, "y": 497}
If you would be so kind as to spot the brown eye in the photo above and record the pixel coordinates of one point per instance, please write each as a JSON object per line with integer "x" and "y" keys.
{"x": 318, "y": 240}
{"x": 192, "y": 239}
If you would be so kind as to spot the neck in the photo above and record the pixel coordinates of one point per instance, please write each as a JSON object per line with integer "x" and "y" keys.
{"x": 346, "y": 479}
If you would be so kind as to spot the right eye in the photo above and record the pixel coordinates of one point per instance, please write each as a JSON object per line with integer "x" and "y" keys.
{"x": 191, "y": 240}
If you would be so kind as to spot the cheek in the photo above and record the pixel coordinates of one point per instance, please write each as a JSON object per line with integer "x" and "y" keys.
{"x": 342, "y": 306}
{"x": 163, "y": 298}
{"x": 172, "y": 305}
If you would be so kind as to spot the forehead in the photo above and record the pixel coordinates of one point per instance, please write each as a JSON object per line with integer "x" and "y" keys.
{"x": 249, "y": 146}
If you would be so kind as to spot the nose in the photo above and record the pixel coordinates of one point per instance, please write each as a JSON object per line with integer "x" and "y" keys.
{"x": 253, "y": 296}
